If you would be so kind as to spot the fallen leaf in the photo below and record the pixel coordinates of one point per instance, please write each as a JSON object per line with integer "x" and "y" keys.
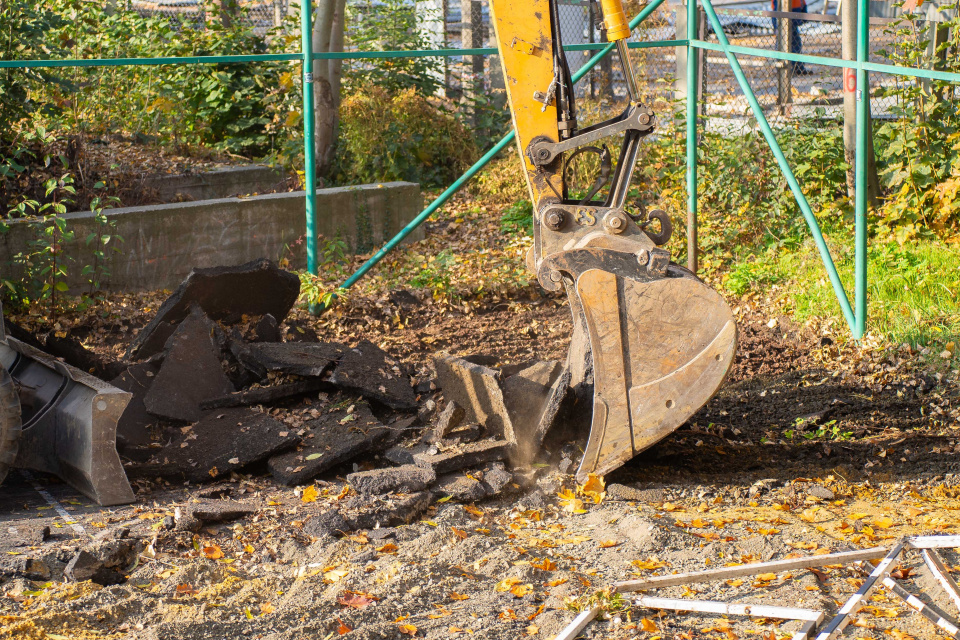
{"x": 213, "y": 552}
{"x": 388, "y": 548}
{"x": 537, "y": 612}
{"x": 546, "y": 565}
{"x": 355, "y": 599}
{"x": 883, "y": 522}
{"x": 533, "y": 630}
{"x": 649, "y": 625}
{"x": 556, "y": 583}
{"x": 458, "y": 596}
{"x": 335, "y": 574}
{"x": 506, "y": 584}
{"x": 342, "y": 629}
{"x": 266, "y": 607}
{"x": 609, "y": 544}
{"x": 460, "y": 533}
{"x": 734, "y": 583}
{"x": 408, "y": 629}
{"x": 521, "y": 590}
{"x": 593, "y": 488}
{"x": 186, "y": 589}
{"x": 310, "y": 494}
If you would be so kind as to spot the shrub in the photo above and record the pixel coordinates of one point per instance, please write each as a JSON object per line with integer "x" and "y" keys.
{"x": 402, "y": 136}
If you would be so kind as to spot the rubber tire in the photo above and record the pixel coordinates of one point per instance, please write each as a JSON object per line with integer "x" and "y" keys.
{"x": 10, "y": 424}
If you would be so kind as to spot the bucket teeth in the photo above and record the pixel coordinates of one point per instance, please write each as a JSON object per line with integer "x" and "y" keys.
{"x": 660, "y": 347}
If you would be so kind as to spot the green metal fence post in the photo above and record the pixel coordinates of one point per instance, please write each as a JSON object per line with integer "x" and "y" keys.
{"x": 692, "y": 82}
{"x": 309, "y": 163}
{"x": 771, "y": 139}
{"x": 860, "y": 179}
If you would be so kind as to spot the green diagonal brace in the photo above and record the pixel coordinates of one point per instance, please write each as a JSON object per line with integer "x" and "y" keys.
{"x": 472, "y": 171}
{"x": 856, "y": 323}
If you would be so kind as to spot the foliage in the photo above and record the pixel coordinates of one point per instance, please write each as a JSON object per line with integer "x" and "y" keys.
{"x": 391, "y": 25}
{"x": 517, "y": 218}
{"x": 920, "y": 149}
{"x": 415, "y": 139}
{"x": 435, "y": 274}
{"x": 502, "y": 181}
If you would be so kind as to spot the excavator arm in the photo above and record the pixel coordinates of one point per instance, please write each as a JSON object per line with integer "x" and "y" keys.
{"x": 654, "y": 341}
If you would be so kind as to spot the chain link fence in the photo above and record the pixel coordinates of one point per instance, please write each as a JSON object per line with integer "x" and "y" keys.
{"x": 785, "y": 91}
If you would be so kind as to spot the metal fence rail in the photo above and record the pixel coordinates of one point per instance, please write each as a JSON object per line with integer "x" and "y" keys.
{"x": 602, "y": 80}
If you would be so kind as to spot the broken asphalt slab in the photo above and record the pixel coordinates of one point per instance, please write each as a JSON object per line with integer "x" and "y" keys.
{"x": 369, "y": 512}
{"x": 191, "y": 371}
{"x": 463, "y": 456}
{"x": 132, "y": 427}
{"x": 476, "y": 388}
{"x": 369, "y": 371}
{"x": 533, "y": 397}
{"x": 266, "y": 395}
{"x": 404, "y": 479}
{"x": 298, "y": 358}
{"x": 225, "y": 441}
{"x": 225, "y": 294}
{"x": 333, "y": 439}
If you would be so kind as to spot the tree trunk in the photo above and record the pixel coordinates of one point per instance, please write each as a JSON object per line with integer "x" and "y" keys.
{"x": 325, "y": 100}
{"x": 336, "y": 66}
{"x": 228, "y": 12}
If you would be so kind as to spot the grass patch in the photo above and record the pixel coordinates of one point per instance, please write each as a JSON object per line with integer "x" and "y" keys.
{"x": 912, "y": 289}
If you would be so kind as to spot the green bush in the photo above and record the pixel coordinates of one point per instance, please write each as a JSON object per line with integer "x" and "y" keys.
{"x": 402, "y": 136}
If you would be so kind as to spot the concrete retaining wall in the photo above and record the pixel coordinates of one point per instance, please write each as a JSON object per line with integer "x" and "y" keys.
{"x": 163, "y": 242}
{"x": 219, "y": 183}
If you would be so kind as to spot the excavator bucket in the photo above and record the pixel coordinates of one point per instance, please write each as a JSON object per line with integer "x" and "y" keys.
{"x": 653, "y": 339}
{"x": 69, "y": 423}
{"x": 660, "y": 350}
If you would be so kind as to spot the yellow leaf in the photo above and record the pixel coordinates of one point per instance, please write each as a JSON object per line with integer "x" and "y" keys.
{"x": 266, "y": 607}
{"x": 458, "y": 596}
{"x": 408, "y": 629}
{"x": 648, "y": 565}
{"x": 556, "y": 583}
{"x": 520, "y": 590}
{"x": 310, "y": 494}
{"x": 533, "y": 630}
{"x": 698, "y": 523}
{"x": 609, "y": 544}
{"x": 734, "y": 583}
{"x": 766, "y": 577}
{"x": 883, "y": 522}
{"x": 546, "y": 565}
{"x": 335, "y": 574}
{"x": 810, "y": 515}
{"x": 857, "y": 516}
{"x": 506, "y": 584}
{"x": 768, "y": 532}
{"x": 649, "y": 625}
{"x": 593, "y": 488}
{"x": 388, "y": 548}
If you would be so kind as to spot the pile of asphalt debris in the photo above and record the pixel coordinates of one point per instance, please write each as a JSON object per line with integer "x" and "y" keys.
{"x": 212, "y": 375}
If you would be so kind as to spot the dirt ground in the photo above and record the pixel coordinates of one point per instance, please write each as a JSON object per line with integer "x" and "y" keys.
{"x": 810, "y": 446}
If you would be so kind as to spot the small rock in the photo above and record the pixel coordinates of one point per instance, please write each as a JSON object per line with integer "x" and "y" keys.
{"x": 820, "y": 491}
{"x": 267, "y": 329}
{"x": 168, "y": 523}
{"x": 566, "y": 466}
{"x": 463, "y": 435}
{"x": 496, "y": 478}
{"x": 405, "y": 479}
{"x": 382, "y": 533}
{"x": 34, "y": 569}
{"x": 188, "y": 523}
{"x": 84, "y": 566}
